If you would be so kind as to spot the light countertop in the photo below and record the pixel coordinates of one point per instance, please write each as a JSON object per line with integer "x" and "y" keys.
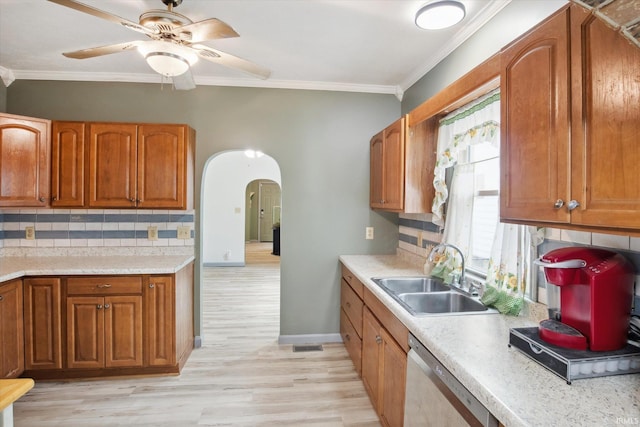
{"x": 17, "y": 267}
{"x": 514, "y": 388}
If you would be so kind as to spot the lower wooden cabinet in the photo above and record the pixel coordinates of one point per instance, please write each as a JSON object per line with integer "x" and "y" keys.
{"x": 43, "y": 323}
{"x": 377, "y": 343}
{"x": 112, "y": 325}
{"x": 104, "y": 332}
{"x": 11, "y": 330}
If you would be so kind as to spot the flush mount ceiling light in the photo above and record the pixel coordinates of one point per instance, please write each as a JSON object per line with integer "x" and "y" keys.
{"x": 167, "y": 58}
{"x": 253, "y": 154}
{"x": 440, "y": 14}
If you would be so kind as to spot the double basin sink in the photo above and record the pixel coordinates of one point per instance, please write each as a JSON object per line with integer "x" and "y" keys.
{"x": 425, "y": 296}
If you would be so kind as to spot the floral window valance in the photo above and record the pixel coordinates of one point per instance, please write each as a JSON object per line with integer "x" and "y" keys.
{"x": 474, "y": 124}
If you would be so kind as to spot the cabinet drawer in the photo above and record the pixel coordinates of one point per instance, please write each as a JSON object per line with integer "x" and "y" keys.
{"x": 352, "y": 306}
{"x": 353, "y": 281}
{"x": 107, "y": 285}
{"x": 351, "y": 340}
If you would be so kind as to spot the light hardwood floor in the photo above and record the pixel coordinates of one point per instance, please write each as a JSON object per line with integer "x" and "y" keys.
{"x": 240, "y": 377}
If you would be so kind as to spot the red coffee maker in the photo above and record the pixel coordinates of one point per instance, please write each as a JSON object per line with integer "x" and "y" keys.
{"x": 596, "y": 291}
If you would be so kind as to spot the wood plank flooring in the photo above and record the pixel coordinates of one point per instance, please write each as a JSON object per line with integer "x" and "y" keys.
{"x": 240, "y": 377}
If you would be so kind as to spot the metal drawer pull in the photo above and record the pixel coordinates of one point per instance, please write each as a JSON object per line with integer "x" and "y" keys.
{"x": 378, "y": 339}
{"x": 99, "y": 306}
{"x": 558, "y": 204}
{"x": 573, "y": 204}
{"x": 103, "y": 285}
{"x": 151, "y": 285}
{"x": 106, "y": 306}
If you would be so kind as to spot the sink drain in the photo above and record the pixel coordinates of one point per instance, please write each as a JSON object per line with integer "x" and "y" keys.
{"x": 300, "y": 348}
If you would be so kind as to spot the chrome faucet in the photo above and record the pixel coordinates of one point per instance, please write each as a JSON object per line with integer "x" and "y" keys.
{"x": 457, "y": 282}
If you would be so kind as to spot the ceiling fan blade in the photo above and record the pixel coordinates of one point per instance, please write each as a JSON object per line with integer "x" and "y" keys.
{"x": 103, "y": 50}
{"x": 184, "y": 81}
{"x": 105, "y": 15}
{"x": 209, "y": 29}
{"x": 222, "y": 58}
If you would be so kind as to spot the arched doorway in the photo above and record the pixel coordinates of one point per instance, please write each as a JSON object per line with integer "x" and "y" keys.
{"x": 223, "y": 207}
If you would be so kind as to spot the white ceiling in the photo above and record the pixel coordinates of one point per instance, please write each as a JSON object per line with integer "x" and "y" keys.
{"x": 349, "y": 45}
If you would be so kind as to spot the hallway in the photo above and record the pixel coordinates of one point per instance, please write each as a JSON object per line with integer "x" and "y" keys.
{"x": 240, "y": 377}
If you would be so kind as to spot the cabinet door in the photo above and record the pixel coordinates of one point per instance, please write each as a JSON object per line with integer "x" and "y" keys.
{"x": 123, "y": 331}
{"x": 606, "y": 124}
{"x": 24, "y": 161}
{"x": 393, "y": 166}
{"x": 376, "y": 198}
{"x": 11, "y": 330}
{"x": 162, "y": 166}
{"x": 67, "y": 164}
{"x": 535, "y": 130}
{"x": 42, "y": 323}
{"x": 85, "y": 332}
{"x": 160, "y": 321}
{"x": 371, "y": 341}
{"x": 393, "y": 365}
{"x": 112, "y": 165}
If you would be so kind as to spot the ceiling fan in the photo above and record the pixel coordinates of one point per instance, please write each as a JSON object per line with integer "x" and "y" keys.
{"x": 175, "y": 42}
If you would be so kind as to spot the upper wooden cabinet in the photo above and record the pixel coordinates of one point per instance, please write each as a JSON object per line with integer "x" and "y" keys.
{"x": 570, "y": 124}
{"x": 67, "y": 164}
{"x": 122, "y": 165}
{"x": 401, "y": 162}
{"x": 24, "y": 161}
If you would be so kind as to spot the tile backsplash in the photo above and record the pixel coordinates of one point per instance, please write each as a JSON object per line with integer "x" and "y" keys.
{"x": 416, "y": 227}
{"x": 65, "y": 230}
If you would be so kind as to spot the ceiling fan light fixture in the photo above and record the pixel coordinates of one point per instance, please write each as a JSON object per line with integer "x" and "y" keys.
{"x": 167, "y": 64}
{"x": 168, "y": 59}
{"x": 440, "y": 14}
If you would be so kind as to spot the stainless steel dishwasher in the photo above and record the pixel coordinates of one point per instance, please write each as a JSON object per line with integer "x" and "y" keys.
{"x": 434, "y": 397}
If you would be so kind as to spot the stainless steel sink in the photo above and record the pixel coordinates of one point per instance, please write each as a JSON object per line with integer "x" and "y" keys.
{"x": 402, "y": 285}
{"x": 439, "y": 303}
{"x": 430, "y": 296}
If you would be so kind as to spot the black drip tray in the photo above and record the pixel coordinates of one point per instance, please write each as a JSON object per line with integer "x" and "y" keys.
{"x": 574, "y": 364}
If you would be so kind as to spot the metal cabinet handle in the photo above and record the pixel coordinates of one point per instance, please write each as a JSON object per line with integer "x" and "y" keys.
{"x": 103, "y": 286}
{"x": 152, "y": 285}
{"x": 1, "y": 297}
{"x": 573, "y": 204}
{"x": 132, "y": 200}
{"x": 106, "y": 306}
{"x": 378, "y": 339}
{"x": 558, "y": 204}
{"x": 99, "y": 306}
{"x": 54, "y": 198}
{"x": 42, "y": 199}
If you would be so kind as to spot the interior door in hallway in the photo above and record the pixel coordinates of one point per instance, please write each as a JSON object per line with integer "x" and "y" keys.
{"x": 269, "y": 209}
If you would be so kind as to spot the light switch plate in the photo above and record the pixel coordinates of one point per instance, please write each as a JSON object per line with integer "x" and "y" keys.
{"x": 184, "y": 232}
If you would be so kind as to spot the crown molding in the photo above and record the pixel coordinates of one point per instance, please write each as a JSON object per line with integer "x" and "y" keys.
{"x": 207, "y": 81}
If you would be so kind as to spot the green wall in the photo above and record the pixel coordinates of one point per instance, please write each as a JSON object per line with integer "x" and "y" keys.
{"x": 3, "y": 98}
{"x": 319, "y": 139}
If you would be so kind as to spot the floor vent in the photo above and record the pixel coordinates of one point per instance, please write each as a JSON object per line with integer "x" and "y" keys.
{"x": 300, "y": 348}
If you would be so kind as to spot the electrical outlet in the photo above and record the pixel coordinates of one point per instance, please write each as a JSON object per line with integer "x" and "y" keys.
{"x": 368, "y": 233}
{"x": 152, "y": 232}
{"x": 184, "y": 232}
{"x": 30, "y": 232}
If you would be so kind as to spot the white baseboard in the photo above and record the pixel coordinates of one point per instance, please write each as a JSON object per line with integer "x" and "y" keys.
{"x": 309, "y": 339}
{"x": 223, "y": 264}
